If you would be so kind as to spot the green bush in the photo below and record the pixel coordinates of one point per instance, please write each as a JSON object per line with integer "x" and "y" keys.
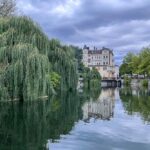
{"x": 127, "y": 81}
{"x": 55, "y": 79}
{"x": 145, "y": 83}
{"x": 95, "y": 83}
{"x": 92, "y": 78}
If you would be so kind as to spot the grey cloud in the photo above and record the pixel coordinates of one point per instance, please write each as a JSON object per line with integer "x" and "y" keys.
{"x": 122, "y": 25}
{"x": 98, "y": 13}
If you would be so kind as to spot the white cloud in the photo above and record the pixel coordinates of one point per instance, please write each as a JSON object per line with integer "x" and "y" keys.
{"x": 66, "y": 9}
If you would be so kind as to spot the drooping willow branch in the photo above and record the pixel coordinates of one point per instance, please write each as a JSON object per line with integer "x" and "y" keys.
{"x": 28, "y": 59}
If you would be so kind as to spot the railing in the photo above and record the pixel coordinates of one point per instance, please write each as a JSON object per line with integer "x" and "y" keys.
{"x": 135, "y": 76}
{"x": 110, "y": 78}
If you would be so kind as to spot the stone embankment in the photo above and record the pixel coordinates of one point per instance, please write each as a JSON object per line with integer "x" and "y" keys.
{"x": 138, "y": 83}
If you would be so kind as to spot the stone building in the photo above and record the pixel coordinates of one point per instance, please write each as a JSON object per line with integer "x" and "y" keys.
{"x": 102, "y": 60}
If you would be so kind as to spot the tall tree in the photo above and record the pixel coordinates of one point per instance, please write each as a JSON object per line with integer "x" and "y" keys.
{"x": 31, "y": 65}
{"x": 127, "y": 66}
{"x": 128, "y": 58}
{"x": 7, "y": 7}
{"x": 144, "y": 66}
{"x": 136, "y": 64}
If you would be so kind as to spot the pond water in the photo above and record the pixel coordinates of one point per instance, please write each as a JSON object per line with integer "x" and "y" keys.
{"x": 110, "y": 119}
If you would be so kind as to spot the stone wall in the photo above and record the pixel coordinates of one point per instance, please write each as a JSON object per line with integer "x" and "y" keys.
{"x": 138, "y": 83}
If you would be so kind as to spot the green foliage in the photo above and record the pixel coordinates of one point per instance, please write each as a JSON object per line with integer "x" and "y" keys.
{"x": 128, "y": 58}
{"x": 31, "y": 65}
{"x": 136, "y": 64}
{"x": 78, "y": 55}
{"x": 127, "y": 81}
{"x": 95, "y": 79}
{"x": 145, "y": 83}
{"x": 91, "y": 78}
{"x": 55, "y": 79}
{"x": 126, "y": 67}
{"x": 144, "y": 66}
{"x": 65, "y": 64}
{"x": 123, "y": 69}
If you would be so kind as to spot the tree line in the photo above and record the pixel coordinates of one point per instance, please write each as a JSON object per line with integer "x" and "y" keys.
{"x": 136, "y": 63}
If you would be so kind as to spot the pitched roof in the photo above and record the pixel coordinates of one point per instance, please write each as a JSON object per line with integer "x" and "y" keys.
{"x": 96, "y": 51}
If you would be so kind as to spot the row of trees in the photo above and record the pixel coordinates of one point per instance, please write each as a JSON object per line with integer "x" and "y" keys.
{"x": 136, "y": 63}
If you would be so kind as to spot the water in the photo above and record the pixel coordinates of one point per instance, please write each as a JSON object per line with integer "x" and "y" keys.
{"x": 110, "y": 119}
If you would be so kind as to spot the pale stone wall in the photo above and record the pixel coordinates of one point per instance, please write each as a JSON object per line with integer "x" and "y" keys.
{"x": 106, "y": 71}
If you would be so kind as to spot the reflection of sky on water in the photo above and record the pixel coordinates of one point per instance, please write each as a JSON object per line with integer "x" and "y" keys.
{"x": 123, "y": 132}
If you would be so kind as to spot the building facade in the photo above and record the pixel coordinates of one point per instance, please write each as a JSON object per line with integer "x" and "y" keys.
{"x": 102, "y": 60}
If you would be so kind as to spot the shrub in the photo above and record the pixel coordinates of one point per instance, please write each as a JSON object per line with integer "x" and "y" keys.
{"x": 127, "y": 80}
{"x": 145, "y": 83}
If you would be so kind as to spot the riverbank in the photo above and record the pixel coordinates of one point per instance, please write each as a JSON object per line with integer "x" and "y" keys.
{"x": 137, "y": 83}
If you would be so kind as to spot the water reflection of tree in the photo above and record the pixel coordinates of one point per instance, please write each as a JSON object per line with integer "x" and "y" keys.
{"x": 136, "y": 101}
{"x": 89, "y": 93}
{"x": 29, "y": 125}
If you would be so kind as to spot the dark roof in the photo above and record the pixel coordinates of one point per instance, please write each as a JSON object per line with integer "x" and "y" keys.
{"x": 104, "y": 48}
{"x": 97, "y": 51}
{"x": 86, "y": 47}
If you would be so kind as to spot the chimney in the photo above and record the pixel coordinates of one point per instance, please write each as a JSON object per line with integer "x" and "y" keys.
{"x": 85, "y": 47}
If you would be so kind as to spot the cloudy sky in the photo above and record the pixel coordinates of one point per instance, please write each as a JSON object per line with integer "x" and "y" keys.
{"x": 122, "y": 25}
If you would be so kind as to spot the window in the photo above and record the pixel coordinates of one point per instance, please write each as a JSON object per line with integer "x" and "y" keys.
{"x": 103, "y": 63}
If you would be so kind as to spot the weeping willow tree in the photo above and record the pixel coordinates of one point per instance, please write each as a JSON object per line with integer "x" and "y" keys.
{"x": 25, "y": 72}
{"x": 28, "y": 58}
{"x": 66, "y": 65}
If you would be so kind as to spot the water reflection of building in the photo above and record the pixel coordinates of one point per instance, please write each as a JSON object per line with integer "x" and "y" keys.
{"x": 102, "y": 108}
